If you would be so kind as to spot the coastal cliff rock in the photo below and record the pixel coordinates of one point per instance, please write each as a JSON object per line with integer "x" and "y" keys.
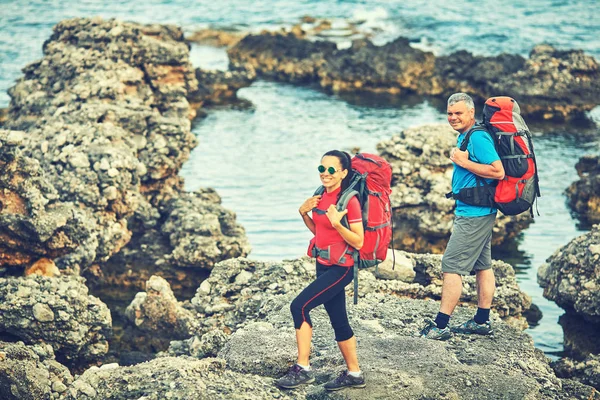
{"x": 550, "y": 84}
{"x": 571, "y": 276}
{"x": 584, "y": 195}
{"x": 31, "y": 372}
{"x": 34, "y": 222}
{"x": 421, "y": 177}
{"x": 58, "y": 312}
{"x": 107, "y": 117}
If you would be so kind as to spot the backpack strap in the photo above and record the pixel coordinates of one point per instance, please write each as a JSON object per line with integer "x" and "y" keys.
{"x": 476, "y": 127}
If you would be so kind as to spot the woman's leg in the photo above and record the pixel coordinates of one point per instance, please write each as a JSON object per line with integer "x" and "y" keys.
{"x": 336, "y": 309}
{"x": 329, "y": 283}
{"x": 303, "y": 339}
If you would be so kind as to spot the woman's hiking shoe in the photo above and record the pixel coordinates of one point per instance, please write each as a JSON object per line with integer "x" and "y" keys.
{"x": 345, "y": 380}
{"x": 431, "y": 331}
{"x": 296, "y": 376}
{"x": 471, "y": 326}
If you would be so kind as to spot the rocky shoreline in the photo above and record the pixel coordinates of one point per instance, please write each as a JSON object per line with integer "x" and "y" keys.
{"x": 91, "y": 201}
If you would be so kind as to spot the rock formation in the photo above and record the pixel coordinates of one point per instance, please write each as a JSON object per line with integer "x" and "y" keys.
{"x": 584, "y": 194}
{"x": 571, "y": 276}
{"x": 550, "y": 84}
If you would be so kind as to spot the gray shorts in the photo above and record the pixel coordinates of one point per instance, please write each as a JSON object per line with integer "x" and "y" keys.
{"x": 470, "y": 246}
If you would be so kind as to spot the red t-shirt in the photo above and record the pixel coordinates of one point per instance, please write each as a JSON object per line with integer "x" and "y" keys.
{"x": 326, "y": 235}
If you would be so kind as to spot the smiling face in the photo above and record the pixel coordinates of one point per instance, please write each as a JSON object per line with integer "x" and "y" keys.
{"x": 460, "y": 117}
{"x": 329, "y": 181}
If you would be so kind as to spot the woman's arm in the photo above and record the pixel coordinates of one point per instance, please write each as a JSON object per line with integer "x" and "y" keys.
{"x": 355, "y": 236}
{"x": 305, "y": 208}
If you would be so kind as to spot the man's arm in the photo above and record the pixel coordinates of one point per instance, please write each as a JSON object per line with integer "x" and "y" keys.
{"x": 494, "y": 170}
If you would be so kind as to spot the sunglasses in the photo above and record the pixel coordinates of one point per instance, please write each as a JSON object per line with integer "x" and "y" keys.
{"x": 329, "y": 170}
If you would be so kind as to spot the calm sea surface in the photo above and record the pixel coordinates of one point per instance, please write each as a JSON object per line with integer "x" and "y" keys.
{"x": 262, "y": 161}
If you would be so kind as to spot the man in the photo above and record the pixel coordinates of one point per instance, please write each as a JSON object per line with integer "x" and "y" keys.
{"x": 469, "y": 247}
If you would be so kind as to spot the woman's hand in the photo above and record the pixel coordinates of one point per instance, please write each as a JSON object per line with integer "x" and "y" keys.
{"x": 335, "y": 216}
{"x": 309, "y": 204}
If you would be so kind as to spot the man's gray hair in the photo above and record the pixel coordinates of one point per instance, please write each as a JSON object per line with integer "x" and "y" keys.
{"x": 458, "y": 97}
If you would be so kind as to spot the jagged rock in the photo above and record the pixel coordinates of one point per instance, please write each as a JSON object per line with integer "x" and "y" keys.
{"x": 571, "y": 276}
{"x": 584, "y": 194}
{"x": 105, "y": 111}
{"x": 31, "y": 372}
{"x": 396, "y": 363}
{"x": 157, "y": 311}
{"x": 550, "y": 84}
{"x": 421, "y": 177}
{"x": 34, "y": 222}
{"x": 181, "y": 243}
{"x": 56, "y": 311}
{"x": 586, "y": 371}
{"x": 107, "y": 117}
{"x": 172, "y": 378}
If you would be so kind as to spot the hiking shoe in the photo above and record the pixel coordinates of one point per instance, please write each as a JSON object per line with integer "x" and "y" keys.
{"x": 473, "y": 327}
{"x": 431, "y": 331}
{"x": 346, "y": 381}
{"x": 296, "y": 376}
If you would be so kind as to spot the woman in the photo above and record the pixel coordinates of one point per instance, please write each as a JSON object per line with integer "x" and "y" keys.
{"x": 334, "y": 246}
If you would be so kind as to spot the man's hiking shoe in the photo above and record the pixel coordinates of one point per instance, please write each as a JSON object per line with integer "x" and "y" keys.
{"x": 431, "y": 331}
{"x": 296, "y": 376}
{"x": 344, "y": 380}
{"x": 471, "y": 326}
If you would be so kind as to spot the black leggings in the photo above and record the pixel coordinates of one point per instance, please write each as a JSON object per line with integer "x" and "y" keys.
{"x": 327, "y": 289}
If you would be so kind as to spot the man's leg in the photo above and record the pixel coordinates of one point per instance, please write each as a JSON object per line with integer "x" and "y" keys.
{"x": 451, "y": 291}
{"x": 486, "y": 287}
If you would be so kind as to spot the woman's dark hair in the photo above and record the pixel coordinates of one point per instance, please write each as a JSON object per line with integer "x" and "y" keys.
{"x": 346, "y": 162}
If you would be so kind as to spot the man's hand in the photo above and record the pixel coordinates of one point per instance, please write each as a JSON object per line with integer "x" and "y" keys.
{"x": 459, "y": 157}
{"x": 309, "y": 204}
{"x": 335, "y": 216}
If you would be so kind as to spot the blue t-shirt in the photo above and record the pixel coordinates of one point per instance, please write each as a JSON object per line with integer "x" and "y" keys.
{"x": 482, "y": 151}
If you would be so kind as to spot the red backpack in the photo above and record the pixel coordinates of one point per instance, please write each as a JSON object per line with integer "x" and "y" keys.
{"x": 517, "y": 192}
{"x": 371, "y": 184}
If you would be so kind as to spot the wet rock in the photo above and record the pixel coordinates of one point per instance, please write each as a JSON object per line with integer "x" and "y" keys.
{"x": 586, "y": 371}
{"x": 285, "y": 58}
{"x": 584, "y": 194}
{"x": 172, "y": 378}
{"x": 571, "y": 276}
{"x": 156, "y": 315}
{"x": 396, "y": 363}
{"x": 31, "y": 372}
{"x": 219, "y": 87}
{"x": 580, "y": 336}
{"x": 421, "y": 177}
{"x": 56, "y": 311}
{"x": 550, "y": 84}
